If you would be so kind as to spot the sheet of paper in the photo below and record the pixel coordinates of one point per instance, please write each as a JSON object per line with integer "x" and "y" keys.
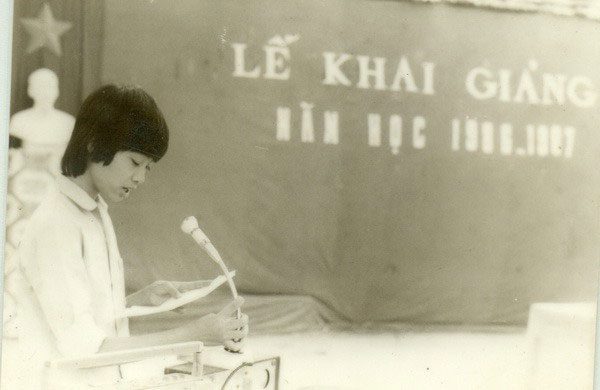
{"x": 174, "y": 303}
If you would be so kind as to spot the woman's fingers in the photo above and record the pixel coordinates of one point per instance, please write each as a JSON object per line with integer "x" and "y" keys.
{"x": 163, "y": 287}
{"x": 160, "y": 291}
{"x": 236, "y": 334}
{"x": 234, "y": 346}
{"x": 235, "y": 323}
{"x": 172, "y": 291}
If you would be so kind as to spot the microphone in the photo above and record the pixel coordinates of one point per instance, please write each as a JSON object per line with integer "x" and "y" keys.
{"x": 190, "y": 226}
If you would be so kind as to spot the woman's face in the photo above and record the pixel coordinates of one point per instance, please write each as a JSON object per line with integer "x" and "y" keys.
{"x": 116, "y": 180}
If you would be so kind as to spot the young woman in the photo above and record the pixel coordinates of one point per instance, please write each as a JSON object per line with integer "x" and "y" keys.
{"x": 73, "y": 291}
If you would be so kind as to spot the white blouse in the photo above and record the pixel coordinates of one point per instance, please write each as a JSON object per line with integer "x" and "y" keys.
{"x": 71, "y": 293}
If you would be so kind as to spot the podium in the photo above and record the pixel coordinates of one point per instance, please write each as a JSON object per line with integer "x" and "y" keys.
{"x": 189, "y": 374}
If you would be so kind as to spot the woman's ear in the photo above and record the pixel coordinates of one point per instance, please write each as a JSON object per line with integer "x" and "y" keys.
{"x": 90, "y": 147}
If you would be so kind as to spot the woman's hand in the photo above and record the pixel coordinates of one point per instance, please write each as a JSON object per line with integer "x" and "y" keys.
{"x": 153, "y": 294}
{"x": 158, "y": 292}
{"x": 223, "y": 327}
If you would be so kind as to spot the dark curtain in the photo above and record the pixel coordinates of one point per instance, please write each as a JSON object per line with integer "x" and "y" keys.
{"x": 78, "y": 69}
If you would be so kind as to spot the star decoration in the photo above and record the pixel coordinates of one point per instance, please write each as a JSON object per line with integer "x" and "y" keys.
{"x": 45, "y": 31}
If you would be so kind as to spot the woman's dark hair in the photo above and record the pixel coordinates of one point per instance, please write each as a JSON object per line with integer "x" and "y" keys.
{"x": 112, "y": 119}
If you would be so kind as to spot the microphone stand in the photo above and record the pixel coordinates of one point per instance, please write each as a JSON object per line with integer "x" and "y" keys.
{"x": 190, "y": 226}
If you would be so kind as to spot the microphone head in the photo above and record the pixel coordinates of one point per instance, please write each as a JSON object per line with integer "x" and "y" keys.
{"x": 189, "y": 225}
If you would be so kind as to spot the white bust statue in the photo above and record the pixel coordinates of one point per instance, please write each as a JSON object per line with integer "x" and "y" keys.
{"x": 43, "y": 129}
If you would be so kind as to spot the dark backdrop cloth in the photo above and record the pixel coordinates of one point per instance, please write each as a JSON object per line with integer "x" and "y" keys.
{"x": 78, "y": 68}
{"x": 426, "y": 236}
{"x": 267, "y": 314}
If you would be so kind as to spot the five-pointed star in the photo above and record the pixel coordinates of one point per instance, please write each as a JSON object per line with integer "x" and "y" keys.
{"x": 45, "y": 31}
